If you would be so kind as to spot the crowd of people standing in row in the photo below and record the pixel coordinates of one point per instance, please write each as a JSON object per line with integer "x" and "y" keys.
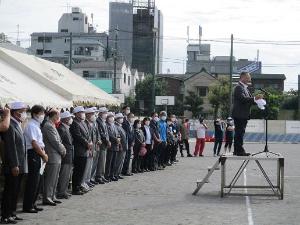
{"x": 87, "y": 146}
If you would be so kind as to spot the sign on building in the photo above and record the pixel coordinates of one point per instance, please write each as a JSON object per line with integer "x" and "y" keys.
{"x": 255, "y": 126}
{"x": 252, "y": 67}
{"x": 292, "y": 127}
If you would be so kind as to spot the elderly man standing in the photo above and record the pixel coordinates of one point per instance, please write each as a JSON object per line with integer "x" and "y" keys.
{"x": 102, "y": 127}
{"x": 56, "y": 151}
{"x": 82, "y": 146}
{"x": 14, "y": 163}
{"x": 67, "y": 161}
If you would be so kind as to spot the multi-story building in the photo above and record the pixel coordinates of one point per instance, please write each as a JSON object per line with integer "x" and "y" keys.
{"x": 140, "y": 31}
{"x": 86, "y": 43}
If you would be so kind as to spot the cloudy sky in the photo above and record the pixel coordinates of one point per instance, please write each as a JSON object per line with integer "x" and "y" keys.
{"x": 267, "y": 20}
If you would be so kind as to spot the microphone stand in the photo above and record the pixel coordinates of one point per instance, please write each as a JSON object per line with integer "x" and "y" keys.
{"x": 266, "y": 116}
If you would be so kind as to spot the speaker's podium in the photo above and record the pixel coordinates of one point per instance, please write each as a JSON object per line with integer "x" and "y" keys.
{"x": 226, "y": 189}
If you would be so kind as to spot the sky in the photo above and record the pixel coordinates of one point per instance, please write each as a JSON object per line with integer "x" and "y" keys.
{"x": 266, "y": 20}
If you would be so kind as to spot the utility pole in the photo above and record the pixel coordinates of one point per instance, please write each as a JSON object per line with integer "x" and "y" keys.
{"x": 153, "y": 70}
{"x": 107, "y": 47}
{"x": 115, "y": 62}
{"x": 70, "y": 51}
{"x": 231, "y": 72}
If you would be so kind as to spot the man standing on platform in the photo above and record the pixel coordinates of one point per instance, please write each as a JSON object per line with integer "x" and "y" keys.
{"x": 242, "y": 102}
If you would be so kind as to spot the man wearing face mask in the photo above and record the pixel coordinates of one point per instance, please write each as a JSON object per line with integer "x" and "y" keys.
{"x": 92, "y": 161}
{"x": 162, "y": 124}
{"x": 128, "y": 127}
{"x": 102, "y": 127}
{"x": 114, "y": 138}
{"x": 123, "y": 147}
{"x": 156, "y": 137}
{"x": 36, "y": 154}
{"x": 56, "y": 151}
{"x": 14, "y": 162}
{"x": 82, "y": 147}
{"x": 67, "y": 161}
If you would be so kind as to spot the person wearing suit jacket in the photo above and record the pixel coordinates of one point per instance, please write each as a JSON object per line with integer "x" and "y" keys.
{"x": 102, "y": 127}
{"x": 14, "y": 163}
{"x": 128, "y": 127}
{"x": 148, "y": 164}
{"x": 120, "y": 157}
{"x": 82, "y": 146}
{"x": 242, "y": 102}
{"x": 156, "y": 138}
{"x": 114, "y": 138}
{"x": 67, "y": 162}
{"x": 139, "y": 141}
{"x": 56, "y": 151}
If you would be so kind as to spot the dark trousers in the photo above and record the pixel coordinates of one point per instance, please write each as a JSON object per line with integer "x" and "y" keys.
{"x": 10, "y": 195}
{"x": 33, "y": 182}
{"x": 149, "y": 157}
{"x": 217, "y": 146}
{"x": 228, "y": 142}
{"x": 174, "y": 150}
{"x": 155, "y": 152}
{"x": 78, "y": 172}
{"x": 110, "y": 162}
{"x": 186, "y": 143}
{"x": 137, "y": 160}
{"x": 240, "y": 128}
{"x": 162, "y": 153}
{"x": 125, "y": 169}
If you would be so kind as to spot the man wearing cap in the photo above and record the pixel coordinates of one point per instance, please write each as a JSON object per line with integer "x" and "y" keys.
{"x": 114, "y": 138}
{"x": 129, "y": 131}
{"x": 102, "y": 127}
{"x": 82, "y": 146}
{"x": 55, "y": 151}
{"x": 14, "y": 163}
{"x": 67, "y": 162}
{"x": 120, "y": 157}
{"x": 92, "y": 160}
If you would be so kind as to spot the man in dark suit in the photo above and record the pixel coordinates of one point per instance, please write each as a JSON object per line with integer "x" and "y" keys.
{"x": 14, "y": 163}
{"x": 242, "y": 102}
{"x": 67, "y": 161}
{"x": 82, "y": 146}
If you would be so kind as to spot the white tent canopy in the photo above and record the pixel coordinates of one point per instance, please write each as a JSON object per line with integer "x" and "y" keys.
{"x": 57, "y": 78}
{"x": 14, "y": 85}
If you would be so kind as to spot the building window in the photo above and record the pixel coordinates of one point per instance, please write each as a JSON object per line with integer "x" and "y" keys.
{"x": 45, "y": 39}
{"x": 64, "y": 30}
{"x": 124, "y": 78}
{"x": 89, "y": 74}
{"x": 47, "y": 51}
{"x": 86, "y": 20}
{"x": 66, "y": 52}
{"x": 39, "y": 51}
{"x": 128, "y": 80}
{"x": 104, "y": 74}
{"x": 202, "y": 91}
{"x": 75, "y": 18}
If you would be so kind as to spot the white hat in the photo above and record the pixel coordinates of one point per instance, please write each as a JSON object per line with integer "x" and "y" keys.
{"x": 90, "y": 110}
{"x": 66, "y": 114}
{"x": 119, "y": 115}
{"x": 103, "y": 110}
{"x": 18, "y": 105}
{"x": 78, "y": 109}
{"x": 109, "y": 114}
{"x": 95, "y": 109}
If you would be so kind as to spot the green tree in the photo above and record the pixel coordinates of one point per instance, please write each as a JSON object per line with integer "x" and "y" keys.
{"x": 193, "y": 103}
{"x": 143, "y": 92}
{"x": 218, "y": 97}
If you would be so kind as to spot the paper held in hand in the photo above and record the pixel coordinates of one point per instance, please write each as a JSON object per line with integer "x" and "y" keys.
{"x": 261, "y": 103}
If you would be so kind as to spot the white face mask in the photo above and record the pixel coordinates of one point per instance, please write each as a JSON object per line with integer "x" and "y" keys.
{"x": 40, "y": 118}
{"x": 163, "y": 118}
{"x": 120, "y": 121}
{"x": 82, "y": 116}
{"x": 127, "y": 111}
{"x": 104, "y": 116}
{"x": 131, "y": 120}
{"x": 156, "y": 119}
{"x": 139, "y": 126}
{"x": 111, "y": 119}
{"x": 93, "y": 118}
{"x": 173, "y": 119}
{"x": 147, "y": 123}
{"x": 23, "y": 116}
{"x": 70, "y": 121}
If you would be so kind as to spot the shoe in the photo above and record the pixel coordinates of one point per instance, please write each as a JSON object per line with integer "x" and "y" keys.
{"x": 243, "y": 154}
{"x": 201, "y": 155}
{"x": 189, "y": 155}
{"x": 38, "y": 208}
{"x": 119, "y": 177}
{"x": 57, "y": 201}
{"x": 30, "y": 210}
{"x": 62, "y": 196}
{"x": 114, "y": 179}
{"x": 15, "y": 217}
{"x": 8, "y": 220}
{"x": 105, "y": 180}
{"x": 127, "y": 174}
{"x": 49, "y": 202}
{"x": 77, "y": 192}
{"x": 169, "y": 164}
{"x": 94, "y": 182}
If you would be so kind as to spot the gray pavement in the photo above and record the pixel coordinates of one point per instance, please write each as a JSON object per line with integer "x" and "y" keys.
{"x": 165, "y": 197}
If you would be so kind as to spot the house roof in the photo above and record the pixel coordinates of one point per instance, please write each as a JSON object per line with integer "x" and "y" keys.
{"x": 109, "y": 65}
{"x": 173, "y": 76}
{"x": 202, "y": 72}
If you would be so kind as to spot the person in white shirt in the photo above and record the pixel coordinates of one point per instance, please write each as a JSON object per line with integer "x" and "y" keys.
{"x": 36, "y": 155}
{"x": 201, "y": 128}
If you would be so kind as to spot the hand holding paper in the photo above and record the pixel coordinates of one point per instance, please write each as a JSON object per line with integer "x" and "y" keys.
{"x": 260, "y": 103}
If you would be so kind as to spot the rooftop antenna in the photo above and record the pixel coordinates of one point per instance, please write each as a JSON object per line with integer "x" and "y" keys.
{"x": 188, "y": 34}
{"x": 18, "y": 35}
{"x": 200, "y": 37}
{"x": 257, "y": 56}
